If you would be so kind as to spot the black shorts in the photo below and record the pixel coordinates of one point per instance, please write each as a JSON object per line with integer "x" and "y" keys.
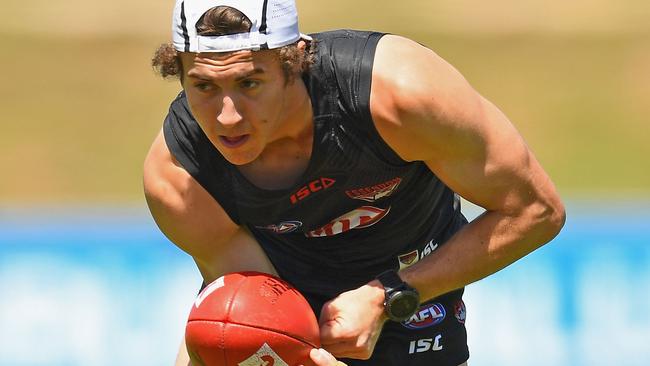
{"x": 435, "y": 336}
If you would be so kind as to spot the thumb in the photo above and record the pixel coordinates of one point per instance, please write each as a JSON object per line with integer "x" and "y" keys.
{"x": 323, "y": 358}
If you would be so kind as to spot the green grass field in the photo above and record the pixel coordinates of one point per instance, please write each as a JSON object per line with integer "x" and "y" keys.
{"x": 79, "y": 112}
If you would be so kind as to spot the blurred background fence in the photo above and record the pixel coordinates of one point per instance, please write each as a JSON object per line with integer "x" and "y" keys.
{"x": 86, "y": 278}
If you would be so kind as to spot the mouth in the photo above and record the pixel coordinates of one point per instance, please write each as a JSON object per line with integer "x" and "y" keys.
{"x": 233, "y": 141}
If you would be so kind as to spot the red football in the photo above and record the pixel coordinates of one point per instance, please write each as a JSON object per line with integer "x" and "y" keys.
{"x": 251, "y": 319}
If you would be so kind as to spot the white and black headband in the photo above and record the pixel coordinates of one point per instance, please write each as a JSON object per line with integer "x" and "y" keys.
{"x": 274, "y": 24}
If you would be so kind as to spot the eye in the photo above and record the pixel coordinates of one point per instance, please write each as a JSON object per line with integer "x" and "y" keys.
{"x": 203, "y": 86}
{"x": 249, "y": 84}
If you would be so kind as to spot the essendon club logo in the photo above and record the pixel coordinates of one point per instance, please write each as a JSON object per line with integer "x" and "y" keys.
{"x": 408, "y": 259}
{"x": 311, "y": 187}
{"x": 373, "y": 193}
{"x": 360, "y": 218}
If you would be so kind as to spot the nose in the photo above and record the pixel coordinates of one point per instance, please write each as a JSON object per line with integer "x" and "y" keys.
{"x": 228, "y": 116}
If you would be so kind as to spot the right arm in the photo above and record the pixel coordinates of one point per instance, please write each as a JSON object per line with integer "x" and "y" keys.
{"x": 196, "y": 223}
{"x": 188, "y": 215}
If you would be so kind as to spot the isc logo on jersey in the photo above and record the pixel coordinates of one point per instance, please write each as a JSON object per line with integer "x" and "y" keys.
{"x": 265, "y": 356}
{"x": 427, "y": 316}
{"x": 314, "y": 186}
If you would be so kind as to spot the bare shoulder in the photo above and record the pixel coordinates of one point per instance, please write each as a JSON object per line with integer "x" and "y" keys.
{"x": 188, "y": 215}
{"x": 185, "y": 212}
{"x": 427, "y": 111}
{"x": 417, "y": 96}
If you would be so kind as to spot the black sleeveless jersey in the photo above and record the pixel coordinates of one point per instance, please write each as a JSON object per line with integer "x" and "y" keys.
{"x": 357, "y": 210}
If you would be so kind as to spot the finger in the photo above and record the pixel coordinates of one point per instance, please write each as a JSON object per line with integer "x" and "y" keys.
{"x": 323, "y": 358}
{"x": 325, "y": 313}
{"x": 346, "y": 350}
{"x": 333, "y": 332}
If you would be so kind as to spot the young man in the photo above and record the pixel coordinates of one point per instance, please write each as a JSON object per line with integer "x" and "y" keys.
{"x": 336, "y": 162}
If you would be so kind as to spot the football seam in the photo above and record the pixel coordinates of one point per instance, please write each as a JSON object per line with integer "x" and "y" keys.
{"x": 258, "y": 327}
{"x": 229, "y": 306}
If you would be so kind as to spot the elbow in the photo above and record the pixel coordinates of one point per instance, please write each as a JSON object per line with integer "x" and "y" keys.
{"x": 550, "y": 219}
{"x": 556, "y": 220}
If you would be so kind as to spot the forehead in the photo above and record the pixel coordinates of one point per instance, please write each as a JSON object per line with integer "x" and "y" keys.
{"x": 231, "y": 63}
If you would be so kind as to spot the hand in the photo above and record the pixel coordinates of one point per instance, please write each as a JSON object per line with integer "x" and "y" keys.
{"x": 350, "y": 324}
{"x": 324, "y": 358}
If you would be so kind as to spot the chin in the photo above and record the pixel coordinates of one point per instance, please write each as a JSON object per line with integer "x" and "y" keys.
{"x": 238, "y": 162}
{"x": 236, "y": 156}
{"x": 239, "y": 158}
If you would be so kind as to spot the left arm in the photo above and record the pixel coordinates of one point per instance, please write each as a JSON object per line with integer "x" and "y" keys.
{"x": 438, "y": 118}
{"x": 426, "y": 111}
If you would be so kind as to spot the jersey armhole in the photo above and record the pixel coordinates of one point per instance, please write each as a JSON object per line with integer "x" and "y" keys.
{"x": 362, "y": 99}
{"x": 198, "y": 164}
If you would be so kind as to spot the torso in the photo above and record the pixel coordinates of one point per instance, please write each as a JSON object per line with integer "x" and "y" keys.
{"x": 346, "y": 211}
{"x": 342, "y": 212}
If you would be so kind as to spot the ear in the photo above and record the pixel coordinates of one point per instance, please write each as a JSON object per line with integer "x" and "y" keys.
{"x": 302, "y": 45}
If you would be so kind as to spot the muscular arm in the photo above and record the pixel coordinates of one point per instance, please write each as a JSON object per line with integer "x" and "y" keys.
{"x": 426, "y": 111}
{"x": 196, "y": 223}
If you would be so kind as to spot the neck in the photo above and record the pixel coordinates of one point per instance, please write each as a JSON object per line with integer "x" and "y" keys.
{"x": 287, "y": 156}
{"x": 298, "y": 113}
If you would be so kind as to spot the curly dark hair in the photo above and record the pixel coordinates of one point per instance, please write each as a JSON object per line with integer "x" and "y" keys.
{"x": 224, "y": 20}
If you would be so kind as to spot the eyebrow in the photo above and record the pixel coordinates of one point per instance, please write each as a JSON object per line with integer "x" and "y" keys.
{"x": 241, "y": 77}
{"x": 249, "y": 74}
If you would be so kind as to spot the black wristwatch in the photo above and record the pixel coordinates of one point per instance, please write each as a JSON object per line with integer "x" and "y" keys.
{"x": 402, "y": 300}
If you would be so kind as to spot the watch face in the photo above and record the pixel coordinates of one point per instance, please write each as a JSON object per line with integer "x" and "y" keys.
{"x": 402, "y": 304}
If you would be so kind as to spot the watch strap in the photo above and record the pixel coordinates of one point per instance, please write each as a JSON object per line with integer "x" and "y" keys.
{"x": 391, "y": 281}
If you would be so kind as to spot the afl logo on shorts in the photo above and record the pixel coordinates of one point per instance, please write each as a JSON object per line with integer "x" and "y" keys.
{"x": 427, "y": 316}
